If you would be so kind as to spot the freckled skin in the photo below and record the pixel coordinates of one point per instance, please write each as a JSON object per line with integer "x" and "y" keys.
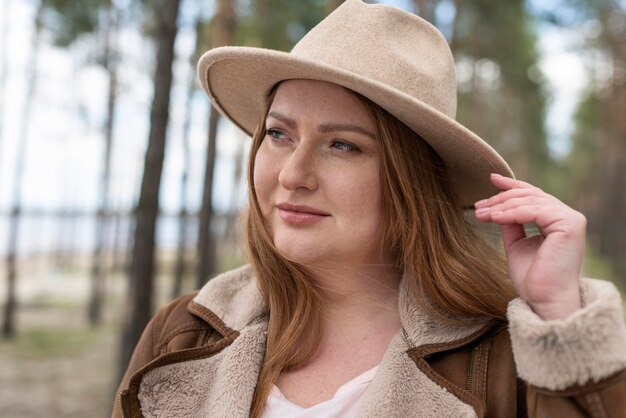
{"x": 335, "y": 171}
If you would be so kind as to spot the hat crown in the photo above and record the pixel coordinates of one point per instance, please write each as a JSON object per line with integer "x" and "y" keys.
{"x": 394, "y": 58}
{"x": 388, "y": 45}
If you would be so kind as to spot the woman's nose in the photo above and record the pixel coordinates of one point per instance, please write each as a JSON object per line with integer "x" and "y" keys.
{"x": 299, "y": 170}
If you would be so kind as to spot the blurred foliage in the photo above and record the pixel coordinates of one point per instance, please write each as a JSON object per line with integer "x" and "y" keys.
{"x": 580, "y": 166}
{"x": 148, "y": 10}
{"x": 507, "y": 108}
{"x": 274, "y": 24}
{"x": 599, "y": 267}
{"x": 502, "y": 93}
{"x": 278, "y": 24}
{"x": 596, "y": 165}
{"x": 67, "y": 20}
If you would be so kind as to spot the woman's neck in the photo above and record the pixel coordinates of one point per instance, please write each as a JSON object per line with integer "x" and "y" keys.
{"x": 358, "y": 300}
{"x": 360, "y": 317}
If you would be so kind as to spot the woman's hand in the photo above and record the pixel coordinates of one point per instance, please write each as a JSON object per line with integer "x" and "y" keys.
{"x": 545, "y": 269}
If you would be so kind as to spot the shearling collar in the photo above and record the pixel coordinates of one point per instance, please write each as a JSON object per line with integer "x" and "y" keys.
{"x": 235, "y": 298}
{"x": 223, "y": 384}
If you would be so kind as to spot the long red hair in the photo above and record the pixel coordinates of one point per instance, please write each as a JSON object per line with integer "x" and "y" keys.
{"x": 450, "y": 270}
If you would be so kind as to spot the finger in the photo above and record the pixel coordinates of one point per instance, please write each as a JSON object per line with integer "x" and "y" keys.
{"x": 542, "y": 215}
{"x": 506, "y": 183}
{"x": 532, "y": 206}
{"x": 511, "y": 233}
{"x": 534, "y": 203}
{"x": 509, "y": 188}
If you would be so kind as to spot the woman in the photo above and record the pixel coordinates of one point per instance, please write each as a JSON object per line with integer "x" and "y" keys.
{"x": 369, "y": 294}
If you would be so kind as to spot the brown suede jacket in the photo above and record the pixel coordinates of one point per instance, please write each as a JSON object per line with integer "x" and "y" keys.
{"x": 200, "y": 356}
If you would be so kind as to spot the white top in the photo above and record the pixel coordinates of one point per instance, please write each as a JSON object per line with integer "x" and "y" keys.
{"x": 344, "y": 404}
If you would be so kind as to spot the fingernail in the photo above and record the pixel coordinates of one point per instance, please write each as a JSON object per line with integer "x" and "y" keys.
{"x": 496, "y": 213}
{"x": 500, "y": 177}
{"x": 481, "y": 210}
{"x": 480, "y": 203}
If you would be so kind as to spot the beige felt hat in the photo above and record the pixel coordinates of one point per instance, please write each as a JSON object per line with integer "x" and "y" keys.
{"x": 394, "y": 58}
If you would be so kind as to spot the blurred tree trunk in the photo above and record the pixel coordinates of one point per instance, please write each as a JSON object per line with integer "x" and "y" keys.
{"x": 612, "y": 205}
{"x": 207, "y": 258}
{"x": 72, "y": 20}
{"x": 102, "y": 220}
{"x": 180, "y": 268}
{"x": 595, "y": 170}
{"x": 331, "y": 5}
{"x": 497, "y": 98}
{"x": 64, "y": 234}
{"x": 224, "y": 26}
{"x": 143, "y": 259}
{"x": 4, "y": 34}
{"x": 425, "y": 9}
{"x": 10, "y": 306}
{"x": 118, "y": 250}
{"x": 126, "y": 260}
{"x": 238, "y": 175}
{"x": 263, "y": 24}
{"x": 70, "y": 216}
{"x": 455, "y": 24}
{"x": 124, "y": 225}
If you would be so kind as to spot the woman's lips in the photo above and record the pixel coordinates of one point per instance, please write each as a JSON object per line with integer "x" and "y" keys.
{"x": 300, "y": 215}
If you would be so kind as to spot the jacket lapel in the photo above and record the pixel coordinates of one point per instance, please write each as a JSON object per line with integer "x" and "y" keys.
{"x": 400, "y": 388}
{"x": 223, "y": 385}
{"x": 218, "y": 386}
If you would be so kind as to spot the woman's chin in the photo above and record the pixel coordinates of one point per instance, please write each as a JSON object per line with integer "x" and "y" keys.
{"x": 304, "y": 258}
{"x": 301, "y": 252}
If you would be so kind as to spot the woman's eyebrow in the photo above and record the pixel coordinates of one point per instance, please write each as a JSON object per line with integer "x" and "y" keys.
{"x": 325, "y": 127}
{"x": 284, "y": 119}
{"x": 336, "y": 127}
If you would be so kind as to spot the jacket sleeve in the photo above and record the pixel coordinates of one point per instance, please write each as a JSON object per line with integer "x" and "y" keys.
{"x": 574, "y": 367}
{"x": 144, "y": 353}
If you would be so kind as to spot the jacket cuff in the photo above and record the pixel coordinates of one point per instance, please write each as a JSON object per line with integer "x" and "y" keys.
{"x": 588, "y": 345}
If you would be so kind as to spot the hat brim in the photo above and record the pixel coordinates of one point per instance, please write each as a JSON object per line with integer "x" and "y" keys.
{"x": 238, "y": 81}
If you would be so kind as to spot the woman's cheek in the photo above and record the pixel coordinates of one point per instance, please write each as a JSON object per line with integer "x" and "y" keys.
{"x": 263, "y": 179}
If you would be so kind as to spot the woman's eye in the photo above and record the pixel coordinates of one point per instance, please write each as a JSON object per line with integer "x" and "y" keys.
{"x": 275, "y": 133}
{"x": 344, "y": 146}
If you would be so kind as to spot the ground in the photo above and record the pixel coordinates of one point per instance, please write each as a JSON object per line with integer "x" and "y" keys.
{"x": 57, "y": 366}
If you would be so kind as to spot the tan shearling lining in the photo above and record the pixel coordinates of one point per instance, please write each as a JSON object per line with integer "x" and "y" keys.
{"x": 234, "y": 297}
{"x": 400, "y": 389}
{"x": 220, "y": 386}
{"x": 223, "y": 385}
{"x": 421, "y": 329}
{"x": 552, "y": 354}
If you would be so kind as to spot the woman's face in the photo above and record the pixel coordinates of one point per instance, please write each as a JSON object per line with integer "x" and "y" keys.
{"x": 317, "y": 177}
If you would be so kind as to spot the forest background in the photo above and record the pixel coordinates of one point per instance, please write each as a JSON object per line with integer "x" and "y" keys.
{"x": 116, "y": 175}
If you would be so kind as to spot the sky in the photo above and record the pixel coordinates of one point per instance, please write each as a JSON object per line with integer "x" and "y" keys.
{"x": 64, "y": 149}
